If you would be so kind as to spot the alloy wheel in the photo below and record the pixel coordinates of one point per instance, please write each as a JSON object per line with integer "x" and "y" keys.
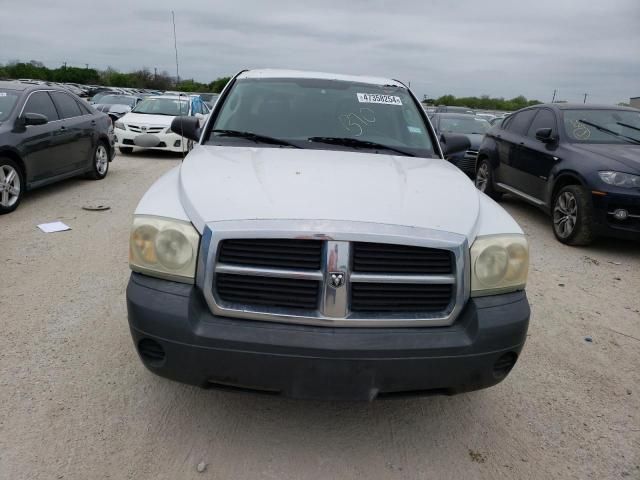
{"x": 565, "y": 214}
{"x": 482, "y": 177}
{"x": 102, "y": 160}
{"x": 9, "y": 186}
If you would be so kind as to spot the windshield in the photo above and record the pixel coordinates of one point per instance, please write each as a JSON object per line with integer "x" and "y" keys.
{"x": 163, "y": 106}
{"x": 8, "y": 99}
{"x": 118, "y": 100}
{"x": 620, "y": 123}
{"x": 297, "y": 110}
{"x": 464, "y": 125}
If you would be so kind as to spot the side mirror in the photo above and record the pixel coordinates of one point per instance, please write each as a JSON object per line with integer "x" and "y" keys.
{"x": 188, "y": 127}
{"x": 454, "y": 143}
{"x": 545, "y": 135}
{"x": 34, "y": 119}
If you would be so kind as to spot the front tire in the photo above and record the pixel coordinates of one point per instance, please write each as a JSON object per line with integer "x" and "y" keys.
{"x": 100, "y": 164}
{"x": 12, "y": 185}
{"x": 484, "y": 180}
{"x": 572, "y": 216}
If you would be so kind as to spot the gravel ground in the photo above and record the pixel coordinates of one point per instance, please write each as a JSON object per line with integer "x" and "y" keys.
{"x": 76, "y": 403}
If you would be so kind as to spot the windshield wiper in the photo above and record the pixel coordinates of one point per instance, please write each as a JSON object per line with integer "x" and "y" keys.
{"x": 628, "y": 126}
{"x": 606, "y": 130}
{"x": 256, "y": 137}
{"x": 357, "y": 143}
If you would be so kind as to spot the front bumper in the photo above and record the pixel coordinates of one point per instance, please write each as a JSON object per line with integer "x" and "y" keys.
{"x": 169, "y": 142}
{"x": 605, "y": 205}
{"x": 177, "y": 337}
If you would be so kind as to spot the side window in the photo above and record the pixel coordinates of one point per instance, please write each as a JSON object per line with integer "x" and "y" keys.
{"x": 40, "y": 102}
{"x": 519, "y": 122}
{"x": 544, "y": 119}
{"x": 67, "y": 106}
{"x": 84, "y": 108}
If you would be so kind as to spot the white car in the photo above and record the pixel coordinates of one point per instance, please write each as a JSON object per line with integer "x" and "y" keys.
{"x": 148, "y": 125}
{"x": 316, "y": 244}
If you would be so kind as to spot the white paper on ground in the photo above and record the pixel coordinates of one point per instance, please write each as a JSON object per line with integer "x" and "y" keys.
{"x": 53, "y": 227}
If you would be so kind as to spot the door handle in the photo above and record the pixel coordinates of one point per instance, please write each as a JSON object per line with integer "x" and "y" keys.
{"x": 63, "y": 128}
{"x": 93, "y": 123}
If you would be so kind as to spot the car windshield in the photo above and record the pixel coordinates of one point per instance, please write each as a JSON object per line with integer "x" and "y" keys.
{"x": 318, "y": 113}
{"x": 8, "y": 99}
{"x": 602, "y": 125}
{"x": 118, "y": 100}
{"x": 464, "y": 125}
{"x": 163, "y": 106}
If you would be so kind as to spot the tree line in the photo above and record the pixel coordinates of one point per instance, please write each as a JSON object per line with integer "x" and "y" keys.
{"x": 143, "y": 78}
{"x": 484, "y": 102}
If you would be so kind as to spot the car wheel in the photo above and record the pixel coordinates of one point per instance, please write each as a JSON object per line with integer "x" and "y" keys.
{"x": 12, "y": 185}
{"x": 125, "y": 150}
{"x": 100, "y": 164}
{"x": 572, "y": 216}
{"x": 484, "y": 180}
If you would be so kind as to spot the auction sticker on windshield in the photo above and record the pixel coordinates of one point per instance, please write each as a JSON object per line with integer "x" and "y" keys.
{"x": 378, "y": 98}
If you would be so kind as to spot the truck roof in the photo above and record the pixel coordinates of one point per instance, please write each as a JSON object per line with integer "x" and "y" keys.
{"x": 274, "y": 73}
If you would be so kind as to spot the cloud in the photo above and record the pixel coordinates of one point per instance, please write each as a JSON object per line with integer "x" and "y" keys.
{"x": 495, "y": 47}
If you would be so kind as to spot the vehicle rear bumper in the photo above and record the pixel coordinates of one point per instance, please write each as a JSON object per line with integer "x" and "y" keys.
{"x": 177, "y": 337}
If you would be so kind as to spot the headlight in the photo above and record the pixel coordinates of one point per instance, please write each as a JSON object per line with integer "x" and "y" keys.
{"x": 119, "y": 125}
{"x": 163, "y": 247}
{"x": 499, "y": 264}
{"x": 619, "y": 179}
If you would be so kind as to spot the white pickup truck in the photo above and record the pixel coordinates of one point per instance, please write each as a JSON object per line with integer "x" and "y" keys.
{"x": 316, "y": 244}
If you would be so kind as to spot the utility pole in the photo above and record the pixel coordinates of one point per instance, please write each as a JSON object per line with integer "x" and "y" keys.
{"x": 585, "y": 98}
{"x": 86, "y": 65}
{"x": 175, "y": 46}
{"x": 555, "y": 90}
{"x": 65, "y": 64}
{"x": 155, "y": 73}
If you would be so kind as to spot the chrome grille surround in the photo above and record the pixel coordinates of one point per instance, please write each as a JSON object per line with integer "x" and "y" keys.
{"x": 333, "y": 309}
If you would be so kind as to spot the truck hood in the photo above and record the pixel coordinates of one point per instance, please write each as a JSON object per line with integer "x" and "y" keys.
{"x": 240, "y": 183}
{"x": 147, "y": 119}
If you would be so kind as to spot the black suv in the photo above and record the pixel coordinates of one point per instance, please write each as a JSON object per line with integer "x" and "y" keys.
{"x": 48, "y": 134}
{"x": 579, "y": 163}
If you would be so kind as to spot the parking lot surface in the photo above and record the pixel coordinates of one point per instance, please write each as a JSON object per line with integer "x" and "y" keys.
{"x": 76, "y": 402}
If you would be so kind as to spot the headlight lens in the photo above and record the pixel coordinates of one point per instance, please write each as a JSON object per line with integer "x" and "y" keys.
{"x": 619, "y": 179}
{"x": 499, "y": 264}
{"x": 119, "y": 125}
{"x": 163, "y": 247}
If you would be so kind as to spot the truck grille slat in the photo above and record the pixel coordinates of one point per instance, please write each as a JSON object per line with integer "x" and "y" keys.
{"x": 274, "y": 253}
{"x": 380, "y": 257}
{"x": 279, "y": 292}
{"x": 400, "y": 297}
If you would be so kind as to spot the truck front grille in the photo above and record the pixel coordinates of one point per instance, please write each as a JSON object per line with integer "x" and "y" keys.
{"x": 335, "y": 281}
{"x": 389, "y": 258}
{"x": 275, "y": 292}
{"x": 272, "y": 252}
{"x": 400, "y": 297}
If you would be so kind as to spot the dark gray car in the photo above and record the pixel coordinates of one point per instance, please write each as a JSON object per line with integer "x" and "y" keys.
{"x": 48, "y": 134}
{"x": 472, "y": 127}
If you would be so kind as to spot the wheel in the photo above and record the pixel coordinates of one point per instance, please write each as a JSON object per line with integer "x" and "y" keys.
{"x": 100, "y": 164}
{"x": 12, "y": 185}
{"x": 572, "y": 216}
{"x": 126, "y": 150}
{"x": 484, "y": 180}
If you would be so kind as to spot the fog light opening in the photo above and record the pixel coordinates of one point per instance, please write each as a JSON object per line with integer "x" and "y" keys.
{"x": 177, "y": 143}
{"x": 504, "y": 364}
{"x": 620, "y": 214}
{"x": 151, "y": 352}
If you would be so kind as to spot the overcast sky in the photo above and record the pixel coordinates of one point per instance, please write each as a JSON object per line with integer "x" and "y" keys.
{"x": 463, "y": 47}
